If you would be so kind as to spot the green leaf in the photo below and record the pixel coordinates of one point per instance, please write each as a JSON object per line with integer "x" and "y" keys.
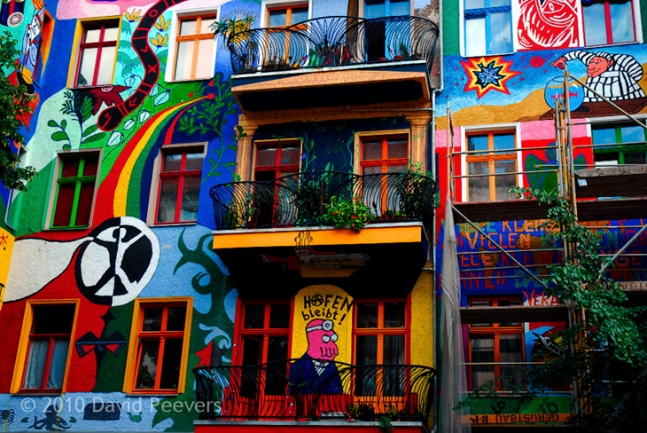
{"x": 60, "y": 136}
{"x": 90, "y": 130}
{"x": 52, "y": 123}
{"x": 94, "y": 138}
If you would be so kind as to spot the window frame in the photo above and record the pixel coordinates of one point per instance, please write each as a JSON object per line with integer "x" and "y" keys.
{"x": 156, "y": 184}
{"x": 268, "y": 5}
{"x": 490, "y": 131}
{"x": 362, "y": 8}
{"x": 279, "y": 169}
{"x": 54, "y": 192}
{"x": 495, "y": 330}
{"x": 635, "y": 17}
{"x": 134, "y": 344}
{"x": 619, "y": 147}
{"x": 81, "y": 27}
{"x": 486, "y": 11}
{"x": 196, "y": 37}
{"x": 385, "y": 162}
{"x": 20, "y": 366}
{"x": 362, "y": 136}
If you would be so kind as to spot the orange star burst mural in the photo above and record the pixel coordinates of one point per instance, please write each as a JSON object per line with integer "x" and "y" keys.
{"x": 488, "y": 73}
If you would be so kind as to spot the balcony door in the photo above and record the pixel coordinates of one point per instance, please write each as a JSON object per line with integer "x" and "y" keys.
{"x": 378, "y": 34}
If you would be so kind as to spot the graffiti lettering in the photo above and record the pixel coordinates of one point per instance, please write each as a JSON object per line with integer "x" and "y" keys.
{"x": 331, "y": 307}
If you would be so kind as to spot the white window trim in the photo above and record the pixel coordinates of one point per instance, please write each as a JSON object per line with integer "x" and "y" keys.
{"x": 469, "y": 130}
{"x": 172, "y": 50}
{"x": 269, "y": 4}
{"x": 515, "y": 13}
{"x": 155, "y": 182}
{"x": 49, "y": 215}
{"x": 638, "y": 28}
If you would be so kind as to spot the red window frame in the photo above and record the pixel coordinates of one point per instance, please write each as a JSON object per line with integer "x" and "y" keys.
{"x": 495, "y": 330}
{"x": 265, "y": 331}
{"x": 75, "y": 211}
{"x": 384, "y": 162}
{"x": 278, "y": 168}
{"x": 608, "y": 26}
{"x": 381, "y": 330}
{"x": 51, "y": 337}
{"x": 181, "y": 175}
{"x": 162, "y": 336}
{"x": 99, "y": 45}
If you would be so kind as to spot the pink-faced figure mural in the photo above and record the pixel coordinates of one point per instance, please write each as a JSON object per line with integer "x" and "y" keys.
{"x": 315, "y": 371}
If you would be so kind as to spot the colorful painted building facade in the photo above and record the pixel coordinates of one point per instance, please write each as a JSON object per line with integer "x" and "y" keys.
{"x": 233, "y": 228}
{"x": 504, "y": 69}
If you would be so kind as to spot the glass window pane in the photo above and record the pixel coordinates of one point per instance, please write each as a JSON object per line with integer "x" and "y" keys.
{"x": 172, "y": 162}
{"x": 604, "y": 136}
{"x": 501, "y": 32}
{"x": 475, "y": 41}
{"x": 278, "y": 18}
{"x": 506, "y": 182}
{"x": 632, "y": 134}
{"x": 87, "y": 66}
{"x": 496, "y": 3}
{"x": 594, "y": 24}
{"x": 168, "y": 200}
{"x": 397, "y": 149}
{"x": 254, "y": 316}
{"x": 266, "y": 157}
{"x": 477, "y": 142}
{"x": 194, "y": 161}
{"x": 482, "y": 350}
{"x": 372, "y": 150}
{"x": 638, "y": 158}
{"x": 84, "y": 205}
{"x": 205, "y": 65}
{"x": 277, "y": 348}
{"x": 190, "y": 197}
{"x": 90, "y": 166}
{"x": 399, "y": 8}
{"x": 374, "y": 9}
{"x": 52, "y": 319}
{"x": 289, "y": 155}
{"x": 184, "y": 60}
{"x": 367, "y": 315}
{"x": 280, "y": 316}
{"x": 171, "y": 363}
{"x": 205, "y": 25}
{"x": 606, "y": 159}
{"x": 299, "y": 15}
{"x": 479, "y": 187}
{"x": 622, "y": 26}
{"x": 474, "y": 4}
{"x": 64, "y": 202}
{"x": 111, "y": 34}
{"x": 36, "y": 363}
{"x": 393, "y": 349}
{"x": 153, "y": 319}
{"x": 503, "y": 141}
{"x": 394, "y": 314}
{"x": 188, "y": 27}
{"x": 58, "y": 363}
{"x": 147, "y": 365}
{"x": 176, "y": 318}
{"x": 70, "y": 167}
{"x": 106, "y": 65}
{"x": 92, "y": 35}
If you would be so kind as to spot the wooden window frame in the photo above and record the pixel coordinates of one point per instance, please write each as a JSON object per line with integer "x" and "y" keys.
{"x": 485, "y": 12}
{"x": 385, "y": 162}
{"x": 288, "y": 13}
{"x": 134, "y": 347}
{"x": 196, "y": 38}
{"x": 79, "y": 181}
{"x": 84, "y": 26}
{"x": 266, "y": 331}
{"x": 180, "y": 174}
{"x": 495, "y": 330}
{"x": 620, "y": 147}
{"x": 608, "y": 27}
{"x": 279, "y": 170}
{"x": 490, "y": 156}
{"x": 20, "y": 366}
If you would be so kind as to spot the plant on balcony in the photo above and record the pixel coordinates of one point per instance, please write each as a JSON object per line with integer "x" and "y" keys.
{"x": 414, "y": 192}
{"x": 232, "y": 24}
{"x": 344, "y": 213}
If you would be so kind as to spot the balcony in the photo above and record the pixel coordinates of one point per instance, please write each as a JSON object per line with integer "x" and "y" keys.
{"x": 273, "y": 235}
{"x": 290, "y": 390}
{"x": 383, "y": 60}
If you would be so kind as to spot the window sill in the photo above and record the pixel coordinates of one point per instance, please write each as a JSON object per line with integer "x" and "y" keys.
{"x": 135, "y": 394}
{"x": 159, "y": 225}
{"x": 510, "y": 53}
{"x": 36, "y": 393}
{"x": 619, "y": 44}
{"x": 190, "y": 80}
{"x": 96, "y": 86}
{"x": 52, "y": 229}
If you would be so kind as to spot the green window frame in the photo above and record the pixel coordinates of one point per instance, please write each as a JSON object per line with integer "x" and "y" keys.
{"x": 75, "y": 190}
{"x": 619, "y": 144}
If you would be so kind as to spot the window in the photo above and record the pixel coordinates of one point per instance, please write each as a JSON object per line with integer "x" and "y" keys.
{"x": 386, "y": 8}
{"x": 75, "y": 185}
{"x": 491, "y": 164}
{"x": 619, "y": 144}
{"x": 276, "y": 159}
{"x": 384, "y": 154}
{"x": 159, "y": 346}
{"x": 608, "y": 22}
{"x": 281, "y": 17}
{"x": 488, "y": 27}
{"x": 496, "y": 350}
{"x": 195, "y": 48}
{"x": 43, "y": 354}
{"x": 264, "y": 338}
{"x": 380, "y": 334}
{"x": 179, "y": 185}
{"x": 97, "y": 53}
{"x": 287, "y": 15}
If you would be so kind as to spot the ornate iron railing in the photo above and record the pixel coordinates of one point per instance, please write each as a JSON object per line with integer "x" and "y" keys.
{"x": 293, "y": 389}
{"x": 300, "y": 199}
{"x": 333, "y": 41}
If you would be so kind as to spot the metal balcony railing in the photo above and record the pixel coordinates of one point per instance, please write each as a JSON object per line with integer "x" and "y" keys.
{"x": 293, "y": 389}
{"x": 300, "y": 199}
{"x": 333, "y": 41}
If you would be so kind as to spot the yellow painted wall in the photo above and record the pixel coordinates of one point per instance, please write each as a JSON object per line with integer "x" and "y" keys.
{"x": 422, "y": 321}
{"x": 6, "y": 248}
{"x": 323, "y": 302}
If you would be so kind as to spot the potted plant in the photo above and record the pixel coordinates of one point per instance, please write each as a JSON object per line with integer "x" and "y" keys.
{"x": 352, "y": 412}
{"x": 342, "y": 213}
